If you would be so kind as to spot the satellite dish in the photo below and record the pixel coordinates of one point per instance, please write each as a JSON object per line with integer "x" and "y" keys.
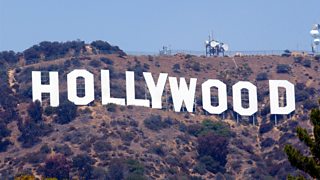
{"x": 316, "y": 27}
{"x": 315, "y": 33}
{"x": 207, "y": 42}
{"x": 316, "y": 41}
{"x": 225, "y": 47}
{"x": 214, "y": 43}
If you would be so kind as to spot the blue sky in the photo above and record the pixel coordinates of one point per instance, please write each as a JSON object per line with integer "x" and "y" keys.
{"x": 147, "y": 25}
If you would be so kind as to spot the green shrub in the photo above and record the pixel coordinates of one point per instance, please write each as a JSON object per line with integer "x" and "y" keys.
{"x": 196, "y": 66}
{"x": 56, "y": 166}
{"x": 106, "y": 61}
{"x": 176, "y": 68}
{"x": 48, "y": 111}
{"x": 307, "y": 63}
{"x": 66, "y": 112}
{"x": 111, "y": 107}
{"x": 155, "y": 122}
{"x": 35, "y": 111}
{"x": 283, "y": 68}
{"x": 262, "y": 76}
{"x": 158, "y": 149}
{"x": 102, "y": 146}
{"x": 95, "y": 63}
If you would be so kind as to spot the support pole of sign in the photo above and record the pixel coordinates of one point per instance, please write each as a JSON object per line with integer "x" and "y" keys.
{"x": 195, "y": 105}
{"x": 275, "y": 119}
{"x": 167, "y": 105}
{"x": 182, "y": 107}
{"x": 237, "y": 118}
{"x": 145, "y": 92}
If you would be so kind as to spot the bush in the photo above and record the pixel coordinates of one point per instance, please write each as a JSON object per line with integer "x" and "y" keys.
{"x": 176, "y": 68}
{"x": 116, "y": 169}
{"x": 31, "y": 133}
{"x": 45, "y": 149}
{"x": 102, "y": 146}
{"x": 48, "y": 111}
{"x": 196, "y": 66}
{"x": 9, "y": 57}
{"x": 286, "y": 53}
{"x": 127, "y": 136}
{"x": 35, "y": 111}
{"x": 95, "y": 63}
{"x": 306, "y": 63}
{"x": 66, "y": 112}
{"x": 56, "y": 166}
{"x": 267, "y": 143}
{"x": 4, "y": 131}
{"x": 51, "y": 50}
{"x": 214, "y": 146}
{"x": 200, "y": 168}
{"x": 310, "y": 104}
{"x": 283, "y": 68}
{"x": 301, "y": 95}
{"x": 63, "y": 149}
{"x": 158, "y": 149}
{"x": 298, "y": 59}
{"x": 218, "y": 128}
{"x": 211, "y": 164}
{"x": 138, "y": 68}
{"x": 83, "y": 163}
{"x": 111, "y": 107}
{"x": 4, "y": 144}
{"x": 265, "y": 111}
{"x": 264, "y": 128}
{"x": 155, "y": 122}
{"x": 194, "y": 129}
{"x": 105, "y": 48}
{"x": 66, "y": 64}
{"x": 76, "y": 62}
{"x": 262, "y": 77}
{"x": 106, "y": 61}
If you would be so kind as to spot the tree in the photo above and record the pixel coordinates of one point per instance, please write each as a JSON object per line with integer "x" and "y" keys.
{"x": 309, "y": 164}
{"x": 66, "y": 111}
{"x": 213, "y": 151}
{"x": 35, "y": 111}
{"x": 83, "y": 163}
{"x": 116, "y": 169}
{"x": 56, "y": 166}
{"x": 283, "y": 68}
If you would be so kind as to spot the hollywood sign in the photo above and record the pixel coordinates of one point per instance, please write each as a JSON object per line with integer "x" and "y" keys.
{"x": 181, "y": 92}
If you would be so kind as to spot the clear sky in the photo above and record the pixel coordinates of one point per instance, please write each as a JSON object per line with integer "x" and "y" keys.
{"x": 147, "y": 25}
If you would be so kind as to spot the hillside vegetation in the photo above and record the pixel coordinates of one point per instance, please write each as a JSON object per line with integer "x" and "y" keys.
{"x": 126, "y": 142}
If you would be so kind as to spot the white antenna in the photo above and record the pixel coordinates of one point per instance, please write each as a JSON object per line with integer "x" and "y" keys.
{"x": 214, "y": 47}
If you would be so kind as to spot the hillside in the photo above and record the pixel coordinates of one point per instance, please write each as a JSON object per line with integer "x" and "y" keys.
{"x": 116, "y": 142}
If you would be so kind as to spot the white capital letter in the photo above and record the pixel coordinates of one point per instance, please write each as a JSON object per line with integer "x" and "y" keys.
{"x": 52, "y": 88}
{"x": 131, "y": 97}
{"x": 274, "y": 97}
{"x": 206, "y": 96}
{"x": 156, "y": 90}
{"x": 182, "y": 93}
{"x": 253, "y": 100}
{"x": 72, "y": 87}
{"x": 105, "y": 90}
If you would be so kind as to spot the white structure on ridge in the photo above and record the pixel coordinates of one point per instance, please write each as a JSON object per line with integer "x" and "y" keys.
{"x": 316, "y": 37}
{"x": 214, "y": 47}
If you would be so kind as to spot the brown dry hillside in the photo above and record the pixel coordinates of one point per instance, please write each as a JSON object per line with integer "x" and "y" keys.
{"x": 125, "y": 142}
